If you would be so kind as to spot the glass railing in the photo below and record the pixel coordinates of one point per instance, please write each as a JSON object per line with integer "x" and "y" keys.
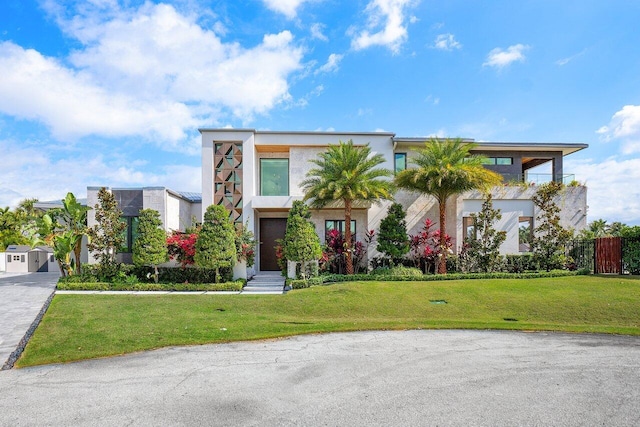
{"x": 538, "y": 178}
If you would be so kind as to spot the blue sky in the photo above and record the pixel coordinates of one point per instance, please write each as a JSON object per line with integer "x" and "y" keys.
{"x": 108, "y": 92}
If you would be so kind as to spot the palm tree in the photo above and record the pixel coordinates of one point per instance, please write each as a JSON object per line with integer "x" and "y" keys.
{"x": 347, "y": 173}
{"x": 446, "y": 168}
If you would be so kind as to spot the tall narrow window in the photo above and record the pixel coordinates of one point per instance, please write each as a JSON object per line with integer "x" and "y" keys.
{"x": 525, "y": 233}
{"x": 399, "y": 162}
{"x": 129, "y": 234}
{"x": 8, "y": 258}
{"x": 274, "y": 177}
{"x": 468, "y": 227}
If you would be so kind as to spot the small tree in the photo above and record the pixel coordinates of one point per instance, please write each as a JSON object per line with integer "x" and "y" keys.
{"x": 393, "y": 240}
{"x": 106, "y": 237}
{"x": 482, "y": 249}
{"x": 301, "y": 242}
{"x": 150, "y": 248}
{"x": 550, "y": 237}
{"x": 216, "y": 247}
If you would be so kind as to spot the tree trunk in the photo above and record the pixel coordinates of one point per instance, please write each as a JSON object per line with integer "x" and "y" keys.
{"x": 347, "y": 237}
{"x": 77, "y": 250}
{"x": 442, "y": 258}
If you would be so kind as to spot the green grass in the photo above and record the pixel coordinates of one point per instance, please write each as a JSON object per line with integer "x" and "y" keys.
{"x": 87, "y": 326}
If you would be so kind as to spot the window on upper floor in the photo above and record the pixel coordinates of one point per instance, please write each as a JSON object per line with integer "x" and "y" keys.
{"x": 399, "y": 162}
{"x": 499, "y": 161}
{"x": 274, "y": 177}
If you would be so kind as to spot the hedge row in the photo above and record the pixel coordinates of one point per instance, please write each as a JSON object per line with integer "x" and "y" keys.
{"x": 103, "y": 286}
{"x": 335, "y": 278}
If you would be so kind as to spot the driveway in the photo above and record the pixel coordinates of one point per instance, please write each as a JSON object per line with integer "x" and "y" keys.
{"x": 433, "y": 378}
{"x": 21, "y": 299}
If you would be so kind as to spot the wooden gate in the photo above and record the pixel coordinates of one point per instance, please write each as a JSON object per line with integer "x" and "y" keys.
{"x": 608, "y": 255}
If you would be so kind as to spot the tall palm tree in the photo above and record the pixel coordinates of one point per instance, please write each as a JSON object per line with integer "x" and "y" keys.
{"x": 347, "y": 173}
{"x": 446, "y": 168}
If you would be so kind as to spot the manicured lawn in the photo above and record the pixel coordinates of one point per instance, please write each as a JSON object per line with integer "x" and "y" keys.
{"x": 87, "y": 326}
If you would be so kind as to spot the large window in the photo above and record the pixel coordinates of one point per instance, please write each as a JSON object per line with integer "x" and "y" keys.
{"x": 399, "y": 162}
{"x": 274, "y": 177}
{"x": 525, "y": 233}
{"x": 130, "y": 233}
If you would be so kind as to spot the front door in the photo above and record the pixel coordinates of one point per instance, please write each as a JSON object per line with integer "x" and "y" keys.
{"x": 271, "y": 229}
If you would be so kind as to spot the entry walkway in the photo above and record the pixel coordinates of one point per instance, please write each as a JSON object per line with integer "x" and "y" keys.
{"x": 22, "y": 296}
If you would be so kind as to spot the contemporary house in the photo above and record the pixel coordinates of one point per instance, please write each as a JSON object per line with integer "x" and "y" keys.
{"x": 256, "y": 175}
{"x": 178, "y": 210}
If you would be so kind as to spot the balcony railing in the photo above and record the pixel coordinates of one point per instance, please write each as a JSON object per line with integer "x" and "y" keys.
{"x": 538, "y": 178}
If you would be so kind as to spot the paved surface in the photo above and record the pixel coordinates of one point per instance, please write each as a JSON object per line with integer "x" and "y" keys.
{"x": 21, "y": 298}
{"x": 357, "y": 379}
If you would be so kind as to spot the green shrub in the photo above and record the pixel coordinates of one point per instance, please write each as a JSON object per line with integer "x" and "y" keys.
{"x": 199, "y": 287}
{"x": 398, "y": 271}
{"x": 521, "y": 263}
{"x": 302, "y": 284}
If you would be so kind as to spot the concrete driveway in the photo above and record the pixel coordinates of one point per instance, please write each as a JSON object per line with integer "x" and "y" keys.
{"x": 433, "y": 378}
{"x": 21, "y": 299}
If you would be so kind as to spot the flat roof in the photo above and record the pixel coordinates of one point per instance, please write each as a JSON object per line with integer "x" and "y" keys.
{"x": 294, "y": 132}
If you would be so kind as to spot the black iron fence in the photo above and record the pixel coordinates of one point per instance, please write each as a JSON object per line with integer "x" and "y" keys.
{"x": 619, "y": 255}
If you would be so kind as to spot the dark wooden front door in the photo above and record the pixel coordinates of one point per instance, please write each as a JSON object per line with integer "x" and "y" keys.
{"x": 271, "y": 229}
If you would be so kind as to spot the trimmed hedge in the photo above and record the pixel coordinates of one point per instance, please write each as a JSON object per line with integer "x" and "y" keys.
{"x": 102, "y": 286}
{"x": 168, "y": 275}
{"x": 386, "y": 277}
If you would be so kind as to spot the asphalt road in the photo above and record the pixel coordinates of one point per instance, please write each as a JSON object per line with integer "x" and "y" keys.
{"x": 431, "y": 378}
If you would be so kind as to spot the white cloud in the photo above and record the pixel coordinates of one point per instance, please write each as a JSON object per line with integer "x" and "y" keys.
{"x": 386, "y": 25}
{"x": 500, "y": 58}
{"x": 288, "y": 8}
{"x": 609, "y": 194}
{"x": 317, "y": 32}
{"x": 332, "y": 64}
{"x": 446, "y": 42}
{"x": 565, "y": 61}
{"x": 74, "y": 172}
{"x": 150, "y": 72}
{"x": 624, "y": 126}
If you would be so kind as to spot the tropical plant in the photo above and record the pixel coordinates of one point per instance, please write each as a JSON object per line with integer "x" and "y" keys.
{"x": 446, "y": 168}
{"x": 393, "y": 240}
{"x": 245, "y": 245}
{"x": 426, "y": 247}
{"x": 213, "y": 248}
{"x": 73, "y": 219}
{"x": 10, "y": 229}
{"x": 150, "y": 247}
{"x": 106, "y": 237}
{"x": 550, "y": 238}
{"x": 347, "y": 173}
{"x": 482, "y": 248}
{"x": 301, "y": 242}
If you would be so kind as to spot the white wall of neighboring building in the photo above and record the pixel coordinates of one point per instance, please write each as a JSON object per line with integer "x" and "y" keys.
{"x": 3, "y": 261}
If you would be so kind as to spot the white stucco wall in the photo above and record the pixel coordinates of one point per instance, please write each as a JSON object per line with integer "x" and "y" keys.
{"x": 515, "y": 202}
{"x": 3, "y": 261}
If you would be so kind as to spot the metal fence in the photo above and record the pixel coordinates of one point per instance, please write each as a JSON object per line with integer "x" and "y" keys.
{"x": 606, "y": 255}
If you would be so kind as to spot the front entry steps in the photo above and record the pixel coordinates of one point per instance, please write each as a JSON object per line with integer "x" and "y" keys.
{"x": 265, "y": 283}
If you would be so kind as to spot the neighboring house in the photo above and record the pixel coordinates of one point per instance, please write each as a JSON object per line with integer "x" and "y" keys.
{"x": 23, "y": 259}
{"x": 256, "y": 175}
{"x": 178, "y": 210}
